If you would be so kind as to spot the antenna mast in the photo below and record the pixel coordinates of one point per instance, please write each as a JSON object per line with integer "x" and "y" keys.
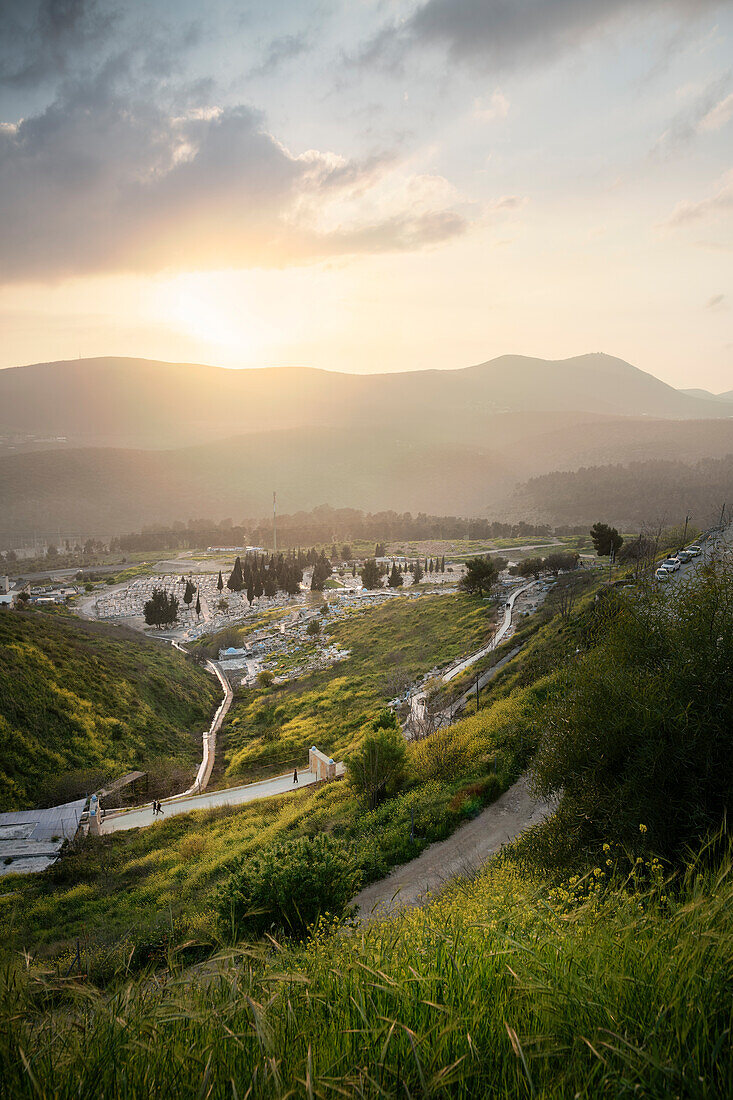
{"x": 274, "y": 522}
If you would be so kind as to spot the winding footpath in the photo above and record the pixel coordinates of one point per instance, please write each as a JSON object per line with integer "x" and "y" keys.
{"x": 194, "y": 797}
{"x": 463, "y": 853}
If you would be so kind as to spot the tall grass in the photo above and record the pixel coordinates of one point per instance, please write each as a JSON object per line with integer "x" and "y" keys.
{"x": 501, "y": 987}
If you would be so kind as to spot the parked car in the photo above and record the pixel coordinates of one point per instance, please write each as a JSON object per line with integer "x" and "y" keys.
{"x": 684, "y": 555}
{"x": 662, "y": 574}
{"x": 672, "y": 563}
{"x": 694, "y": 551}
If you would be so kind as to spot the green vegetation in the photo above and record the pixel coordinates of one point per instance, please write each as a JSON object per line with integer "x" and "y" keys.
{"x": 377, "y": 767}
{"x": 504, "y": 986}
{"x": 122, "y": 891}
{"x": 639, "y": 726}
{"x": 84, "y": 702}
{"x": 287, "y": 888}
{"x": 578, "y": 963}
{"x": 390, "y": 646}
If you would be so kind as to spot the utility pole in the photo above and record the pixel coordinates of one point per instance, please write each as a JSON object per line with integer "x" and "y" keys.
{"x": 274, "y": 523}
{"x": 684, "y": 537}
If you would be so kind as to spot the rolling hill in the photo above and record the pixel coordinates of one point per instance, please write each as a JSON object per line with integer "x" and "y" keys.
{"x": 84, "y": 702}
{"x": 629, "y": 495}
{"x": 153, "y": 405}
{"x": 109, "y": 445}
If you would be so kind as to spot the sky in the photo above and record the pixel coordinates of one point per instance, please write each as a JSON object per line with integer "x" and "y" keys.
{"x": 368, "y": 185}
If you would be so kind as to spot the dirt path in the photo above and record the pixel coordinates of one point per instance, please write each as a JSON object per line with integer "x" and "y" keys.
{"x": 465, "y": 851}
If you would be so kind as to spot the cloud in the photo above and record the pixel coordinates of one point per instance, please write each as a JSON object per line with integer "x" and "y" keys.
{"x": 281, "y": 50}
{"x": 715, "y": 302}
{"x": 40, "y": 39}
{"x": 504, "y": 33}
{"x": 719, "y": 115}
{"x": 713, "y": 206}
{"x": 102, "y": 181}
{"x": 707, "y": 112}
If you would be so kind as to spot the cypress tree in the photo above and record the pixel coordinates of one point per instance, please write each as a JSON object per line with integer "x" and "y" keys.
{"x": 236, "y": 581}
{"x": 220, "y": 582}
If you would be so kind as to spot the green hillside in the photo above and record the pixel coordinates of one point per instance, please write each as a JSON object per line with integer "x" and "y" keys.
{"x": 83, "y": 702}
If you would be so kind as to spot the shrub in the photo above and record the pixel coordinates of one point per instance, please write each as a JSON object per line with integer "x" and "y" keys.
{"x": 192, "y": 847}
{"x": 640, "y": 730}
{"x": 378, "y": 765}
{"x": 265, "y": 678}
{"x": 313, "y": 628}
{"x": 287, "y": 887}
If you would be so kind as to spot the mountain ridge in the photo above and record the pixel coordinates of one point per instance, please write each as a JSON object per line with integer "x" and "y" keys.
{"x": 111, "y": 401}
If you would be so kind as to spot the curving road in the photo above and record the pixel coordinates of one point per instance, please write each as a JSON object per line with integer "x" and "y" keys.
{"x": 417, "y": 701}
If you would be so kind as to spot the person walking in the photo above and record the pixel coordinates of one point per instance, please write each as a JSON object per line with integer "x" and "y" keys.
{"x": 160, "y": 808}
{"x": 155, "y": 807}
{"x": 295, "y": 776}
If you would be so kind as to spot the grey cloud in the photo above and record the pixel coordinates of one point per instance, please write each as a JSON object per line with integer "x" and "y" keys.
{"x": 40, "y": 39}
{"x": 506, "y": 32}
{"x": 685, "y": 126}
{"x": 281, "y": 50}
{"x": 715, "y": 302}
{"x": 101, "y": 182}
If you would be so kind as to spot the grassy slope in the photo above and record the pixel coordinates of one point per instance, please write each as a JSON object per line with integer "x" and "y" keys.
{"x": 402, "y": 637}
{"x": 501, "y": 987}
{"x": 92, "y": 700}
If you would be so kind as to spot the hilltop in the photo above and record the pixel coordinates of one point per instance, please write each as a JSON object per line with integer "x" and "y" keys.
{"x": 108, "y": 445}
{"x": 151, "y": 404}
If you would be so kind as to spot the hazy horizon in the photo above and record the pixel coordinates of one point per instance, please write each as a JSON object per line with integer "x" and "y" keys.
{"x": 368, "y": 188}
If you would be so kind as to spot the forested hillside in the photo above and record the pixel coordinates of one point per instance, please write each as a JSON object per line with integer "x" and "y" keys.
{"x": 84, "y": 702}
{"x": 634, "y": 494}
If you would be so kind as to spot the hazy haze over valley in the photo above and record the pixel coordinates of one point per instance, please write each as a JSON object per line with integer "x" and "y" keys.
{"x": 106, "y": 445}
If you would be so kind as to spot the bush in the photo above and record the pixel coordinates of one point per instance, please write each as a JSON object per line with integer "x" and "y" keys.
{"x": 265, "y": 678}
{"x": 378, "y": 765}
{"x": 314, "y": 627}
{"x": 287, "y": 887}
{"x": 639, "y": 730}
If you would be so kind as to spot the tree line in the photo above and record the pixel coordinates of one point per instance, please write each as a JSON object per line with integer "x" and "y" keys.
{"x": 323, "y": 526}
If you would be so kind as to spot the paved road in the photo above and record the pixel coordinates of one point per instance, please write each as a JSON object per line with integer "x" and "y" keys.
{"x": 417, "y": 701}
{"x": 461, "y": 854}
{"x": 120, "y": 820}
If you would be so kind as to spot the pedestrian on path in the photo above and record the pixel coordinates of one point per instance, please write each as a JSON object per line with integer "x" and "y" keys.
{"x": 295, "y": 776}
{"x": 155, "y": 807}
{"x": 160, "y": 808}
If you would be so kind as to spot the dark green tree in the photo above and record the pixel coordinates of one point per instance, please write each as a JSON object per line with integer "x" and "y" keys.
{"x": 189, "y": 594}
{"x": 395, "y": 577}
{"x": 637, "y": 730}
{"x": 480, "y": 577}
{"x": 198, "y": 607}
{"x": 236, "y": 580}
{"x": 606, "y": 540}
{"x": 220, "y": 582}
{"x": 161, "y": 609}
{"x": 417, "y": 572}
{"x": 370, "y": 575}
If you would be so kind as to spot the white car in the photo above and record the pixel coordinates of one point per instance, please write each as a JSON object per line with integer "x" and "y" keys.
{"x": 694, "y": 551}
{"x": 662, "y": 575}
{"x": 671, "y": 563}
